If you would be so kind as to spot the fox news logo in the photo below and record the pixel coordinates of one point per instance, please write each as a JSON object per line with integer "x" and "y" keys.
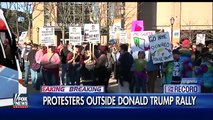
{"x": 20, "y": 101}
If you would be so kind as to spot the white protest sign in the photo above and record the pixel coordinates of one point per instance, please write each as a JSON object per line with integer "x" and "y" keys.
{"x": 200, "y": 38}
{"x": 123, "y": 36}
{"x": 92, "y": 33}
{"x": 47, "y": 35}
{"x": 112, "y": 33}
{"x": 140, "y": 40}
{"x": 160, "y": 48}
{"x": 86, "y": 32}
{"x": 23, "y": 35}
{"x": 75, "y": 36}
{"x": 116, "y": 27}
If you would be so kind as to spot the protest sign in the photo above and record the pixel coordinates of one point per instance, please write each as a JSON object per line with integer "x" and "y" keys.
{"x": 47, "y": 35}
{"x": 140, "y": 40}
{"x": 75, "y": 36}
{"x": 137, "y": 25}
{"x": 123, "y": 37}
{"x": 92, "y": 33}
{"x": 160, "y": 48}
{"x": 200, "y": 38}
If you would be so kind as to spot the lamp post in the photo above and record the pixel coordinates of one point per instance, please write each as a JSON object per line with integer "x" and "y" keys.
{"x": 122, "y": 15}
{"x": 37, "y": 34}
{"x": 172, "y": 20}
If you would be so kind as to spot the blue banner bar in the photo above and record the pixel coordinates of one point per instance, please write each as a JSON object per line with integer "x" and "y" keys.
{"x": 139, "y": 101}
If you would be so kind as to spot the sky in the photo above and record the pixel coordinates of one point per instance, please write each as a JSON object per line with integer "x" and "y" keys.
{"x": 6, "y": 5}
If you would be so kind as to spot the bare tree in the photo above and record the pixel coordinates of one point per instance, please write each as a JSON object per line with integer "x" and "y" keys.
{"x": 29, "y": 8}
{"x": 192, "y": 31}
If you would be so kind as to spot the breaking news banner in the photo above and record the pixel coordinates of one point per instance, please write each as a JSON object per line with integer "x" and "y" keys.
{"x": 100, "y": 100}
{"x": 73, "y": 89}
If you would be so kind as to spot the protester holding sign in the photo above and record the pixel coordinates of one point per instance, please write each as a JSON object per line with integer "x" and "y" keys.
{"x": 100, "y": 68}
{"x": 172, "y": 69}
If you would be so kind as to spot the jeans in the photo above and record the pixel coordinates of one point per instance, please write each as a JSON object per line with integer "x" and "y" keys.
{"x": 140, "y": 83}
{"x": 39, "y": 81}
{"x": 49, "y": 77}
{"x": 26, "y": 73}
{"x": 34, "y": 76}
{"x": 64, "y": 71}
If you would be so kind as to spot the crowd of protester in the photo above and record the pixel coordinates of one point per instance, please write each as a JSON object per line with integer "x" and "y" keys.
{"x": 82, "y": 65}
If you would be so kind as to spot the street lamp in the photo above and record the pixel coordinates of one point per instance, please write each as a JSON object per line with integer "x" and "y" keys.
{"x": 122, "y": 15}
{"x": 37, "y": 34}
{"x": 172, "y": 20}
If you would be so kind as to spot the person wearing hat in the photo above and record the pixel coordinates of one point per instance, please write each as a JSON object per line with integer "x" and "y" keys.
{"x": 204, "y": 72}
{"x": 185, "y": 58}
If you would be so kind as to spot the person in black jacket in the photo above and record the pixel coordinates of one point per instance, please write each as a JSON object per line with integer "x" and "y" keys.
{"x": 125, "y": 62}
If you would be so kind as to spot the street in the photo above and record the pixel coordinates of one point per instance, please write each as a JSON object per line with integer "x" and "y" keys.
{"x": 112, "y": 88}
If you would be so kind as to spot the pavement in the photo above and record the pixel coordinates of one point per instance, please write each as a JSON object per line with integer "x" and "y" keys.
{"x": 113, "y": 86}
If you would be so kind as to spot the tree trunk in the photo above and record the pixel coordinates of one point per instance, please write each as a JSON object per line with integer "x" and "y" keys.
{"x": 29, "y": 28}
{"x": 63, "y": 34}
{"x": 17, "y": 28}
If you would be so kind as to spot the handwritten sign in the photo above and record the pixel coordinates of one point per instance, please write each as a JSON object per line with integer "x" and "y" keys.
{"x": 137, "y": 25}
{"x": 200, "y": 38}
{"x": 160, "y": 48}
{"x": 140, "y": 40}
{"x": 75, "y": 36}
{"x": 123, "y": 37}
{"x": 47, "y": 36}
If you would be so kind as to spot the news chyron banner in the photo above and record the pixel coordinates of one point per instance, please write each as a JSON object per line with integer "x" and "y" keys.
{"x": 174, "y": 96}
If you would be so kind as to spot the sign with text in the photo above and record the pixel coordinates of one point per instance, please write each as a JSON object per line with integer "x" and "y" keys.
{"x": 112, "y": 33}
{"x": 117, "y": 26}
{"x": 137, "y": 25}
{"x": 23, "y": 35}
{"x": 140, "y": 40}
{"x": 93, "y": 32}
{"x": 75, "y": 36}
{"x": 160, "y": 48}
{"x": 47, "y": 36}
{"x": 200, "y": 38}
{"x": 123, "y": 36}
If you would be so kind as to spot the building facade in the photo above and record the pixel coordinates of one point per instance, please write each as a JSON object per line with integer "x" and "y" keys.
{"x": 190, "y": 18}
